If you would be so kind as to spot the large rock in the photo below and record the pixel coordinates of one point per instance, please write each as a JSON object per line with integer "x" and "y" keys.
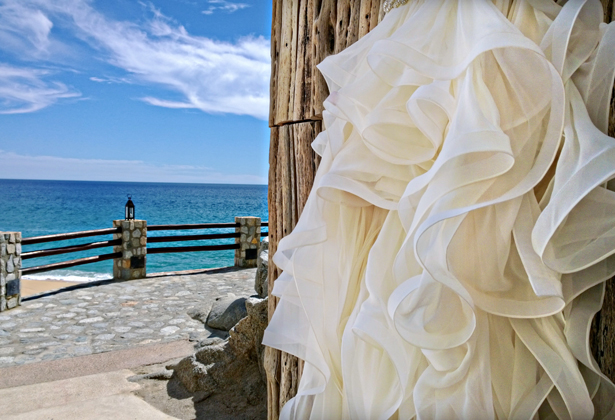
{"x": 226, "y": 312}
{"x": 246, "y": 337}
{"x": 199, "y": 314}
{"x": 262, "y": 270}
{"x": 231, "y": 372}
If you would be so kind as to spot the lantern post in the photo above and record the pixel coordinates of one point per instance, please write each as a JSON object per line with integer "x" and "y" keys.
{"x": 129, "y": 210}
{"x": 133, "y": 247}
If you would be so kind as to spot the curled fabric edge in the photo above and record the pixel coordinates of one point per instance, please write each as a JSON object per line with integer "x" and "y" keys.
{"x": 393, "y": 224}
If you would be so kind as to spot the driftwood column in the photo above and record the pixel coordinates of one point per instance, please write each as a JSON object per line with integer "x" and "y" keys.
{"x": 602, "y": 336}
{"x": 303, "y": 33}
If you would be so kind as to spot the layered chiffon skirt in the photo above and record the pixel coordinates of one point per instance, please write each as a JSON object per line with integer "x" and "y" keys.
{"x": 454, "y": 248}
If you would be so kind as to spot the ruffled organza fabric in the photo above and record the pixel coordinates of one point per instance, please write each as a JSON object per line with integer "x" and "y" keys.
{"x": 454, "y": 248}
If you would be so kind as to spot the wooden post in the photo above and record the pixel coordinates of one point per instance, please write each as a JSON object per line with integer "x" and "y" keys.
{"x": 602, "y": 335}
{"x": 303, "y": 33}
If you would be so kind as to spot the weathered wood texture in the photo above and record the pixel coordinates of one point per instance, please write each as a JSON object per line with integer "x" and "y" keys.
{"x": 305, "y": 32}
{"x": 602, "y": 335}
{"x": 609, "y": 10}
{"x": 292, "y": 165}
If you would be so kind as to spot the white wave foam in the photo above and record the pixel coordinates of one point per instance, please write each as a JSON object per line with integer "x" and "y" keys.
{"x": 69, "y": 275}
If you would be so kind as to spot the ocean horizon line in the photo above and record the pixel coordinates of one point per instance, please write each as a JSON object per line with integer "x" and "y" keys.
{"x": 47, "y": 207}
{"x": 127, "y": 182}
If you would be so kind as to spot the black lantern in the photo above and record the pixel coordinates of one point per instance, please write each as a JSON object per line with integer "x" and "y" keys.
{"x": 129, "y": 210}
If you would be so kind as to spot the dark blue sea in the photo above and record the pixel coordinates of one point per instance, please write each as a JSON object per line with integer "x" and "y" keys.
{"x": 48, "y": 207}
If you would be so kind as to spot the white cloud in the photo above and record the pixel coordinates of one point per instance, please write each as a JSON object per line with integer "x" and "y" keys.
{"x": 24, "y": 90}
{"x": 17, "y": 166}
{"x": 225, "y": 6}
{"x": 23, "y": 27}
{"x": 167, "y": 104}
{"x": 213, "y": 76}
{"x": 110, "y": 80}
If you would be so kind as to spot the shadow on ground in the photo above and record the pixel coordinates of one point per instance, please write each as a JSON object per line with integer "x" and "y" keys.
{"x": 167, "y": 394}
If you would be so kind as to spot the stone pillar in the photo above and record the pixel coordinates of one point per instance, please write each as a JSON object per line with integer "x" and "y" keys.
{"x": 133, "y": 248}
{"x": 249, "y": 240}
{"x": 10, "y": 270}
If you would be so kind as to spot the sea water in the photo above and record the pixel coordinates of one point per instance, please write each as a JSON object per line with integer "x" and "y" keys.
{"x": 36, "y": 208}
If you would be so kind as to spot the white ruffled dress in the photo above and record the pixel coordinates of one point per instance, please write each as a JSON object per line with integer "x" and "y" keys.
{"x": 455, "y": 245}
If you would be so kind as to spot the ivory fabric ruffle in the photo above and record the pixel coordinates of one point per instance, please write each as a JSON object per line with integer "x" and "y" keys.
{"x": 454, "y": 248}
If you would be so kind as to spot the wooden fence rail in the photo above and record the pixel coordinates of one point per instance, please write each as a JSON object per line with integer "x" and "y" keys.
{"x": 193, "y": 226}
{"x": 163, "y": 250}
{"x": 116, "y": 242}
{"x": 71, "y": 235}
{"x": 67, "y": 249}
{"x": 71, "y": 263}
{"x": 198, "y": 226}
{"x": 199, "y": 248}
{"x": 174, "y": 238}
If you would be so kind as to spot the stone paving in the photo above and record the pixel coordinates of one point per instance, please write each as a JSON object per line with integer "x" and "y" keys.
{"x": 115, "y": 315}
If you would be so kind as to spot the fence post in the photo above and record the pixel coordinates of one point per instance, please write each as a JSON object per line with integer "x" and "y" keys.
{"x": 133, "y": 248}
{"x": 10, "y": 270}
{"x": 249, "y": 240}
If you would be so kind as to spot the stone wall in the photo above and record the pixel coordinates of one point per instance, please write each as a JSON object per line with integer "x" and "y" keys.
{"x": 133, "y": 248}
{"x": 249, "y": 241}
{"x": 10, "y": 270}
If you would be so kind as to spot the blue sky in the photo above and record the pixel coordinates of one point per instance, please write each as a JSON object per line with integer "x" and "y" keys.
{"x": 129, "y": 90}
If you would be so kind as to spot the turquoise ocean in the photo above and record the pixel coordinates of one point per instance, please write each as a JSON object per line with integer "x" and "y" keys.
{"x": 36, "y": 207}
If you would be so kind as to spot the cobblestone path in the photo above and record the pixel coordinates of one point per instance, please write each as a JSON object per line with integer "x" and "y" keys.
{"x": 115, "y": 315}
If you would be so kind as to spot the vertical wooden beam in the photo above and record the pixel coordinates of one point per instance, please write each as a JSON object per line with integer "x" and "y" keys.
{"x": 323, "y": 36}
{"x": 272, "y": 200}
{"x": 276, "y": 29}
{"x": 347, "y": 25}
{"x": 272, "y": 356}
{"x": 292, "y": 165}
{"x": 289, "y": 378}
{"x": 368, "y": 16}
{"x": 306, "y": 160}
{"x": 302, "y": 101}
{"x": 602, "y": 335}
{"x": 287, "y": 62}
{"x": 609, "y": 10}
{"x": 303, "y": 33}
